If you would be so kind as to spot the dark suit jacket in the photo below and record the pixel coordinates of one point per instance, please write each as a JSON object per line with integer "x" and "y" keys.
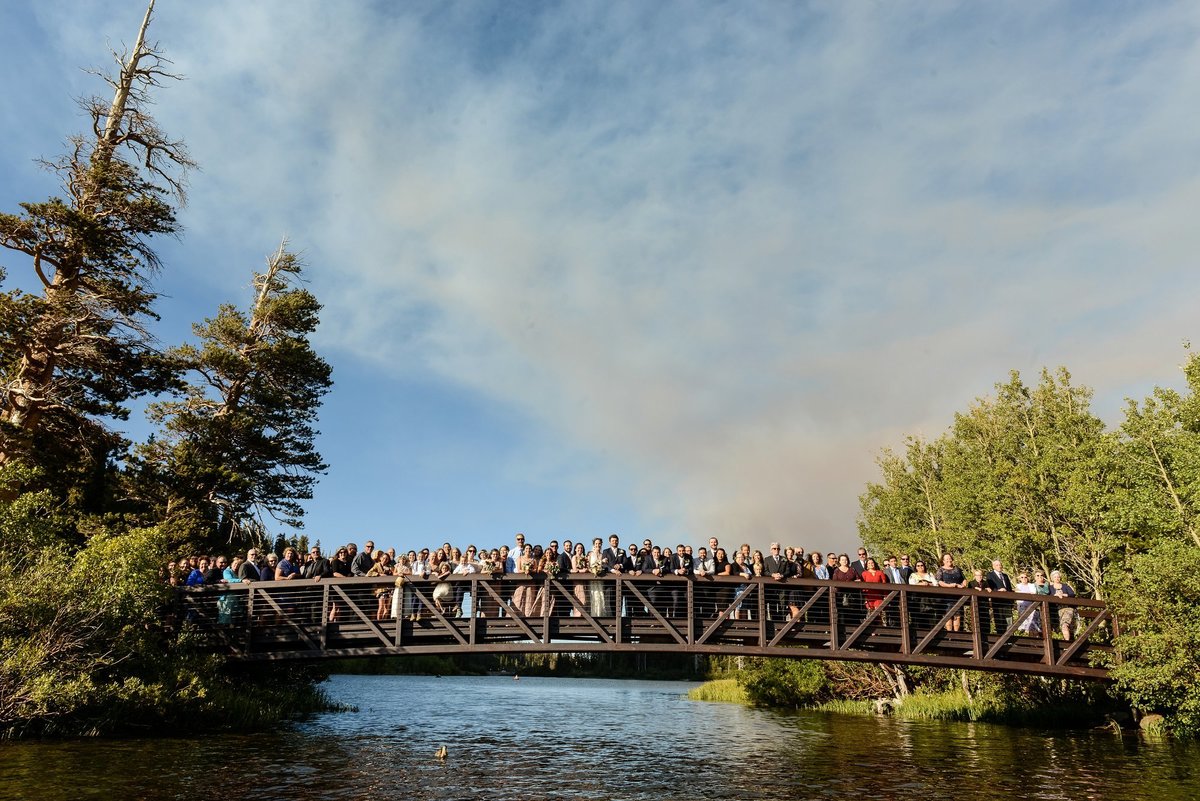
{"x": 649, "y": 565}
{"x": 998, "y": 581}
{"x": 612, "y": 559}
{"x": 777, "y": 564}
{"x": 684, "y": 562}
{"x": 858, "y": 566}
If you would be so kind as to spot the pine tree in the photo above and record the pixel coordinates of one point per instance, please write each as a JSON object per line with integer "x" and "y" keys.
{"x": 238, "y": 442}
{"x": 74, "y": 354}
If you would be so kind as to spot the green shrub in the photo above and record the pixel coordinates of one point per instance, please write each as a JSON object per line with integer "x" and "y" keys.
{"x": 783, "y": 682}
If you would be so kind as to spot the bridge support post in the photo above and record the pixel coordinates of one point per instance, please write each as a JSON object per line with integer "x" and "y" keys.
{"x": 473, "y": 630}
{"x": 1047, "y": 633}
{"x": 619, "y": 620}
{"x": 691, "y": 611}
{"x": 834, "y": 643}
{"x": 761, "y": 589}
{"x": 324, "y": 616}
{"x": 249, "y": 618}
{"x": 976, "y": 629}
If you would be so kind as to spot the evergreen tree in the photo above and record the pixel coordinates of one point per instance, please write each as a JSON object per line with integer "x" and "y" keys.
{"x": 238, "y": 442}
{"x": 75, "y": 353}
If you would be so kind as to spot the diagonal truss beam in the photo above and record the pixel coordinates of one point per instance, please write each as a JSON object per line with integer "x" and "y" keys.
{"x": 729, "y": 610}
{"x": 383, "y": 637}
{"x": 939, "y": 627}
{"x": 512, "y": 613}
{"x": 796, "y": 618}
{"x": 670, "y": 628}
{"x": 874, "y": 614}
{"x": 432, "y": 607}
{"x": 304, "y": 635}
{"x": 595, "y": 624}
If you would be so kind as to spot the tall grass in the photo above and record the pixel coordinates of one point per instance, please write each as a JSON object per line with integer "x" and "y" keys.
{"x": 726, "y": 691}
{"x": 844, "y": 706}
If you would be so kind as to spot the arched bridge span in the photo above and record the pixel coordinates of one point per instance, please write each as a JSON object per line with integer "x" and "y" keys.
{"x": 796, "y": 618}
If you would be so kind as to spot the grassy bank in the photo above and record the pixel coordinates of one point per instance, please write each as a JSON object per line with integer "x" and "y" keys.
{"x": 940, "y": 695}
{"x": 726, "y": 691}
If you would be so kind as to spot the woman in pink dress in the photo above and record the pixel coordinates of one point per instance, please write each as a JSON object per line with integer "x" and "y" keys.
{"x": 525, "y": 592}
{"x": 579, "y": 571}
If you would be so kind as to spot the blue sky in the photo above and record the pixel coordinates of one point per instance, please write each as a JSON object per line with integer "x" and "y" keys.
{"x": 664, "y": 269}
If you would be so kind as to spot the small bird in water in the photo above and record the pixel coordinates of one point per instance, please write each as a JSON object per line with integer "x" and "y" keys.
{"x": 441, "y": 754}
{"x": 516, "y": 677}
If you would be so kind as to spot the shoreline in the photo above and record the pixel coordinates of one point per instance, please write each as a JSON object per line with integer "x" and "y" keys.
{"x": 950, "y": 706}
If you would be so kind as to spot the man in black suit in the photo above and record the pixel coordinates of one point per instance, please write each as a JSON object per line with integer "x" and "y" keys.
{"x": 859, "y": 565}
{"x": 563, "y": 562}
{"x": 633, "y": 567}
{"x": 656, "y": 563}
{"x": 778, "y": 567}
{"x": 681, "y": 565}
{"x": 561, "y": 558}
{"x": 613, "y": 555}
{"x": 906, "y": 568}
{"x": 999, "y": 581}
{"x": 614, "y": 558}
{"x": 248, "y": 570}
{"x": 854, "y": 598}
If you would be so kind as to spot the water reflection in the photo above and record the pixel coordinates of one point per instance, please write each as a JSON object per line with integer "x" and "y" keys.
{"x": 548, "y": 738}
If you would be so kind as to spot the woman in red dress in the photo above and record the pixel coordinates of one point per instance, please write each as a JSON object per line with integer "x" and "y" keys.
{"x": 873, "y": 575}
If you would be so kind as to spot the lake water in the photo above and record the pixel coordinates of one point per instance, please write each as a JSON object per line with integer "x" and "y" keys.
{"x": 597, "y": 739}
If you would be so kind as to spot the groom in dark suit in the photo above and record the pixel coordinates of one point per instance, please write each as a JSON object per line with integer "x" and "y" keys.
{"x": 999, "y": 581}
{"x": 778, "y": 567}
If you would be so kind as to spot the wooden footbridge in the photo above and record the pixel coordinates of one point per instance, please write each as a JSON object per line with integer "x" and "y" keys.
{"x": 797, "y": 618}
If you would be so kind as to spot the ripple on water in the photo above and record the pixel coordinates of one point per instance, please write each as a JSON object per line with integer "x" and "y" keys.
{"x": 595, "y": 739}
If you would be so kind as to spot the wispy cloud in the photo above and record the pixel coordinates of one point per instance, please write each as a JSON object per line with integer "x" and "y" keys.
{"x": 727, "y": 250}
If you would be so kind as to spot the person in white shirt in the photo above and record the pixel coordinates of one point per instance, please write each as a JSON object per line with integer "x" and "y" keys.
{"x": 465, "y": 567}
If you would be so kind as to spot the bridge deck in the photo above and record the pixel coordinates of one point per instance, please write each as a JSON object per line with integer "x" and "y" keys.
{"x": 306, "y": 619}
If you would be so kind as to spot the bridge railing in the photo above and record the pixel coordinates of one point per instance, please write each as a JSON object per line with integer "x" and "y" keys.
{"x": 305, "y": 619}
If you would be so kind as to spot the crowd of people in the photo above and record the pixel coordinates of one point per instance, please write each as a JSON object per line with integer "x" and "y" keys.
{"x": 589, "y": 565}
